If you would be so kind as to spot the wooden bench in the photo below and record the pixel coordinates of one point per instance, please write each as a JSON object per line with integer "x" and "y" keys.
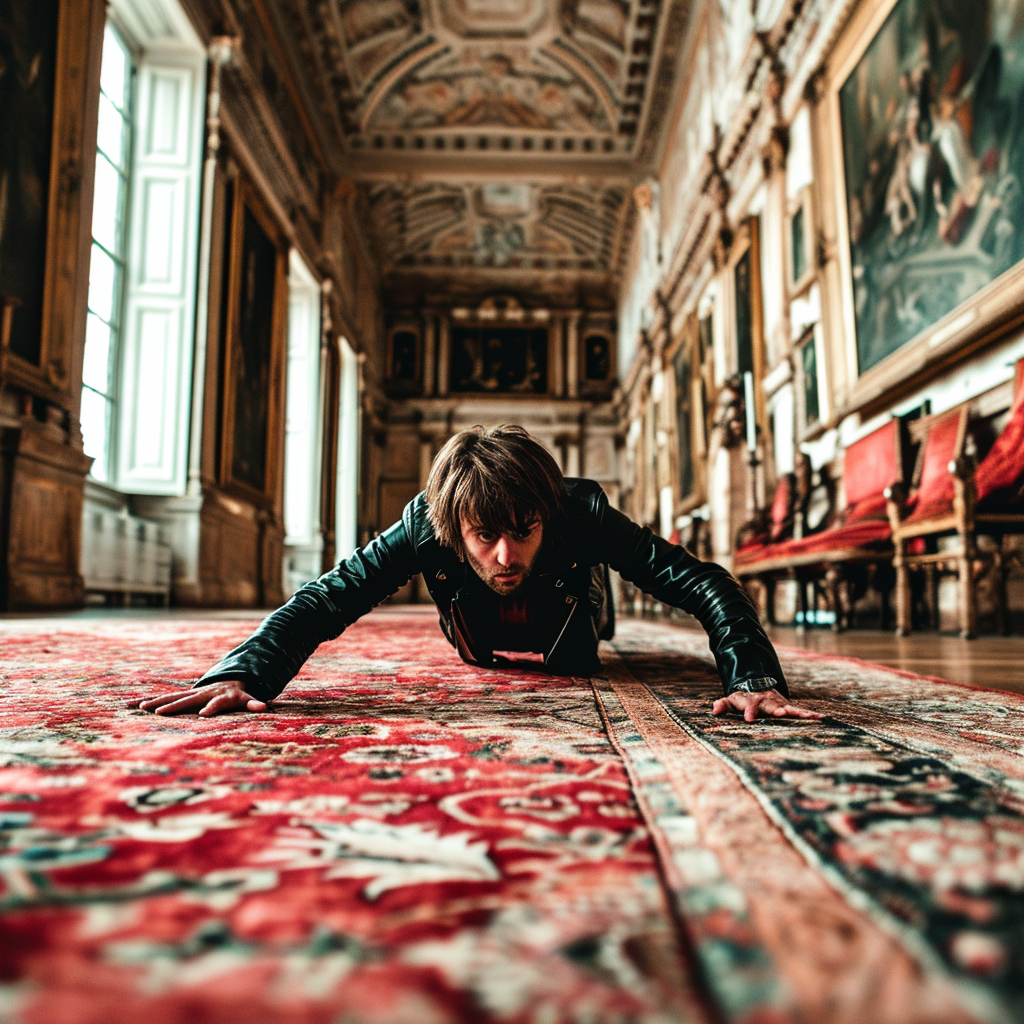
{"x": 854, "y": 551}
{"x": 953, "y": 501}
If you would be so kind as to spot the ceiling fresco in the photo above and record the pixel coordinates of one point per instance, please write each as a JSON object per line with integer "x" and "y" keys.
{"x": 549, "y": 89}
{"x": 522, "y": 226}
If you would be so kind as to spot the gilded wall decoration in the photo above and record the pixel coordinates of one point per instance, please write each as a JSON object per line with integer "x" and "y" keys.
{"x": 933, "y": 140}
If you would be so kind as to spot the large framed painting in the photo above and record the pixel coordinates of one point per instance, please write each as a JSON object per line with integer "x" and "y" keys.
{"x": 499, "y": 360}
{"x": 926, "y": 112}
{"x": 683, "y": 380}
{"x": 253, "y": 354}
{"x": 28, "y": 63}
{"x": 747, "y": 320}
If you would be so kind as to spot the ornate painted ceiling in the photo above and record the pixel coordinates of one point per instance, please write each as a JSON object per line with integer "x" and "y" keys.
{"x": 490, "y": 133}
{"x": 518, "y": 226}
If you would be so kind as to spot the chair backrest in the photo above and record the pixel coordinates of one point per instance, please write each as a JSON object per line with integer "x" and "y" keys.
{"x": 781, "y": 519}
{"x": 1001, "y": 472}
{"x": 943, "y": 443}
{"x": 871, "y": 465}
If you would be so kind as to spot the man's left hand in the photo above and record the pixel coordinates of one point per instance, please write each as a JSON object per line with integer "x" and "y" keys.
{"x": 769, "y": 703}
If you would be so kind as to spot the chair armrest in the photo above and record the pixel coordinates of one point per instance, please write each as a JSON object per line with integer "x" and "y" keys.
{"x": 964, "y": 494}
{"x": 896, "y": 503}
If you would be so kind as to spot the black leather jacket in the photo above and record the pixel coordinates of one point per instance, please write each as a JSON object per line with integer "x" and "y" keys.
{"x": 591, "y": 533}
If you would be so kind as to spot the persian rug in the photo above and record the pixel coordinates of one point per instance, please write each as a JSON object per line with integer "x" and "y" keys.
{"x": 404, "y": 838}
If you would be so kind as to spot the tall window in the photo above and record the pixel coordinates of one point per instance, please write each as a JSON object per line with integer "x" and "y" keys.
{"x": 107, "y": 267}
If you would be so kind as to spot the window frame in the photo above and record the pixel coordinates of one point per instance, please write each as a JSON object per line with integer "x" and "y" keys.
{"x": 116, "y": 326}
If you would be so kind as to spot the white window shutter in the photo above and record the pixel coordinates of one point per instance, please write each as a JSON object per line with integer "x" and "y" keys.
{"x": 159, "y": 310}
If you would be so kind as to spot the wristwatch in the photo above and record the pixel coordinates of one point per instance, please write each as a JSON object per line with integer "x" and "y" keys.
{"x": 759, "y": 685}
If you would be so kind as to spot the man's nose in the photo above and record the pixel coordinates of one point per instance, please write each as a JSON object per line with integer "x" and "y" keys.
{"x": 505, "y": 551}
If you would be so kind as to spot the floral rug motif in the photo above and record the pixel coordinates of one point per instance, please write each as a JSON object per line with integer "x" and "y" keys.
{"x": 908, "y": 798}
{"x": 404, "y": 838}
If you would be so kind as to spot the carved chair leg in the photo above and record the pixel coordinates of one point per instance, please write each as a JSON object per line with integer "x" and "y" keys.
{"x": 903, "y": 601}
{"x": 801, "y": 603}
{"x": 931, "y": 596}
{"x": 968, "y": 598}
{"x": 834, "y": 590}
{"x": 769, "y": 600}
{"x": 999, "y": 568}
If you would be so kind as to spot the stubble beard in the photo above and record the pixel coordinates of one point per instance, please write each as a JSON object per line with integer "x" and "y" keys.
{"x": 487, "y": 576}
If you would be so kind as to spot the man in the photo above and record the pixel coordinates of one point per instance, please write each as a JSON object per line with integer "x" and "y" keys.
{"x": 515, "y": 557}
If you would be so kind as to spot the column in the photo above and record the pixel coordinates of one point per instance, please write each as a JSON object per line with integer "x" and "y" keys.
{"x": 429, "y": 348}
{"x": 444, "y": 352}
{"x": 557, "y": 348}
{"x": 572, "y": 353}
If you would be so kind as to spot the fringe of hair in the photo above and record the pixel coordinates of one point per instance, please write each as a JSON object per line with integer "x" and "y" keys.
{"x": 501, "y": 479}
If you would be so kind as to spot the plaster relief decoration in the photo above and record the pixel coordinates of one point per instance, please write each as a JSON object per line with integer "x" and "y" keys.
{"x": 488, "y": 88}
{"x": 932, "y": 120}
{"x": 519, "y": 74}
{"x": 530, "y": 226}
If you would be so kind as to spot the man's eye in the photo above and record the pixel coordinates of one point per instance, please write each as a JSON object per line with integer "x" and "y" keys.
{"x": 485, "y": 538}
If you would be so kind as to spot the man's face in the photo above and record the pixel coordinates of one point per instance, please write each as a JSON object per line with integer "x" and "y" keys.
{"x": 502, "y": 560}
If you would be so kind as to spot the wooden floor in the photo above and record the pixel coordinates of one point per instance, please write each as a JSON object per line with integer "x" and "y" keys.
{"x": 991, "y": 661}
{"x": 995, "y": 662}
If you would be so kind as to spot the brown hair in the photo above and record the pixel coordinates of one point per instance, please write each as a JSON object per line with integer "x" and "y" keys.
{"x": 499, "y": 478}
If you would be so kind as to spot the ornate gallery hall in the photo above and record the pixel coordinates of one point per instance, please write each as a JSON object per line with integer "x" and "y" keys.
{"x": 753, "y": 270}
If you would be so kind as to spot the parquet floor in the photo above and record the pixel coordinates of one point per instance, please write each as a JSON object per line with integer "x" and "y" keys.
{"x": 995, "y": 662}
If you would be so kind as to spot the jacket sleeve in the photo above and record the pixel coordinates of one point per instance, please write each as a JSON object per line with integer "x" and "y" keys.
{"x": 670, "y": 574}
{"x": 319, "y": 611}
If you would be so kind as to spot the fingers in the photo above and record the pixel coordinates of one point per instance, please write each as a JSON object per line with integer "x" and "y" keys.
{"x": 256, "y": 705}
{"x": 752, "y": 705}
{"x": 792, "y": 711}
{"x": 172, "y": 703}
{"x": 151, "y": 703}
{"x": 224, "y": 702}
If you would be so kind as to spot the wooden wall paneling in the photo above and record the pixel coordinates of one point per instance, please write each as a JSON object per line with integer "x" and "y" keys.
{"x": 57, "y": 375}
{"x": 43, "y": 475}
{"x": 41, "y": 497}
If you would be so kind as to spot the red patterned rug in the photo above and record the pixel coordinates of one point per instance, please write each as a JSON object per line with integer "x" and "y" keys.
{"x": 406, "y": 839}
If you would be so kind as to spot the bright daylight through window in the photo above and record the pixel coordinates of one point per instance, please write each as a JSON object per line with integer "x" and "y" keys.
{"x": 106, "y": 273}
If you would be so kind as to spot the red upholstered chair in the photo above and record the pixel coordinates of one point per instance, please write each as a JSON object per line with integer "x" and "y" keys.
{"x": 848, "y": 555}
{"x": 773, "y": 525}
{"x": 957, "y": 499}
{"x": 927, "y": 509}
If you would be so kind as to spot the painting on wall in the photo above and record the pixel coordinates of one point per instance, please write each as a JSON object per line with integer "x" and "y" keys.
{"x": 932, "y": 120}
{"x": 28, "y": 48}
{"x": 404, "y": 346}
{"x": 809, "y": 374}
{"x": 252, "y": 340}
{"x": 500, "y": 360}
{"x": 596, "y": 357}
{"x": 683, "y": 366}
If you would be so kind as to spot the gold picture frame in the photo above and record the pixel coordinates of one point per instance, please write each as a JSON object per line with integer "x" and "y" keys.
{"x": 988, "y": 314}
{"x": 253, "y": 354}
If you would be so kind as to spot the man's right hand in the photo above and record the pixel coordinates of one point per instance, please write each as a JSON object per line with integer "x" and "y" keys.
{"x": 213, "y": 699}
